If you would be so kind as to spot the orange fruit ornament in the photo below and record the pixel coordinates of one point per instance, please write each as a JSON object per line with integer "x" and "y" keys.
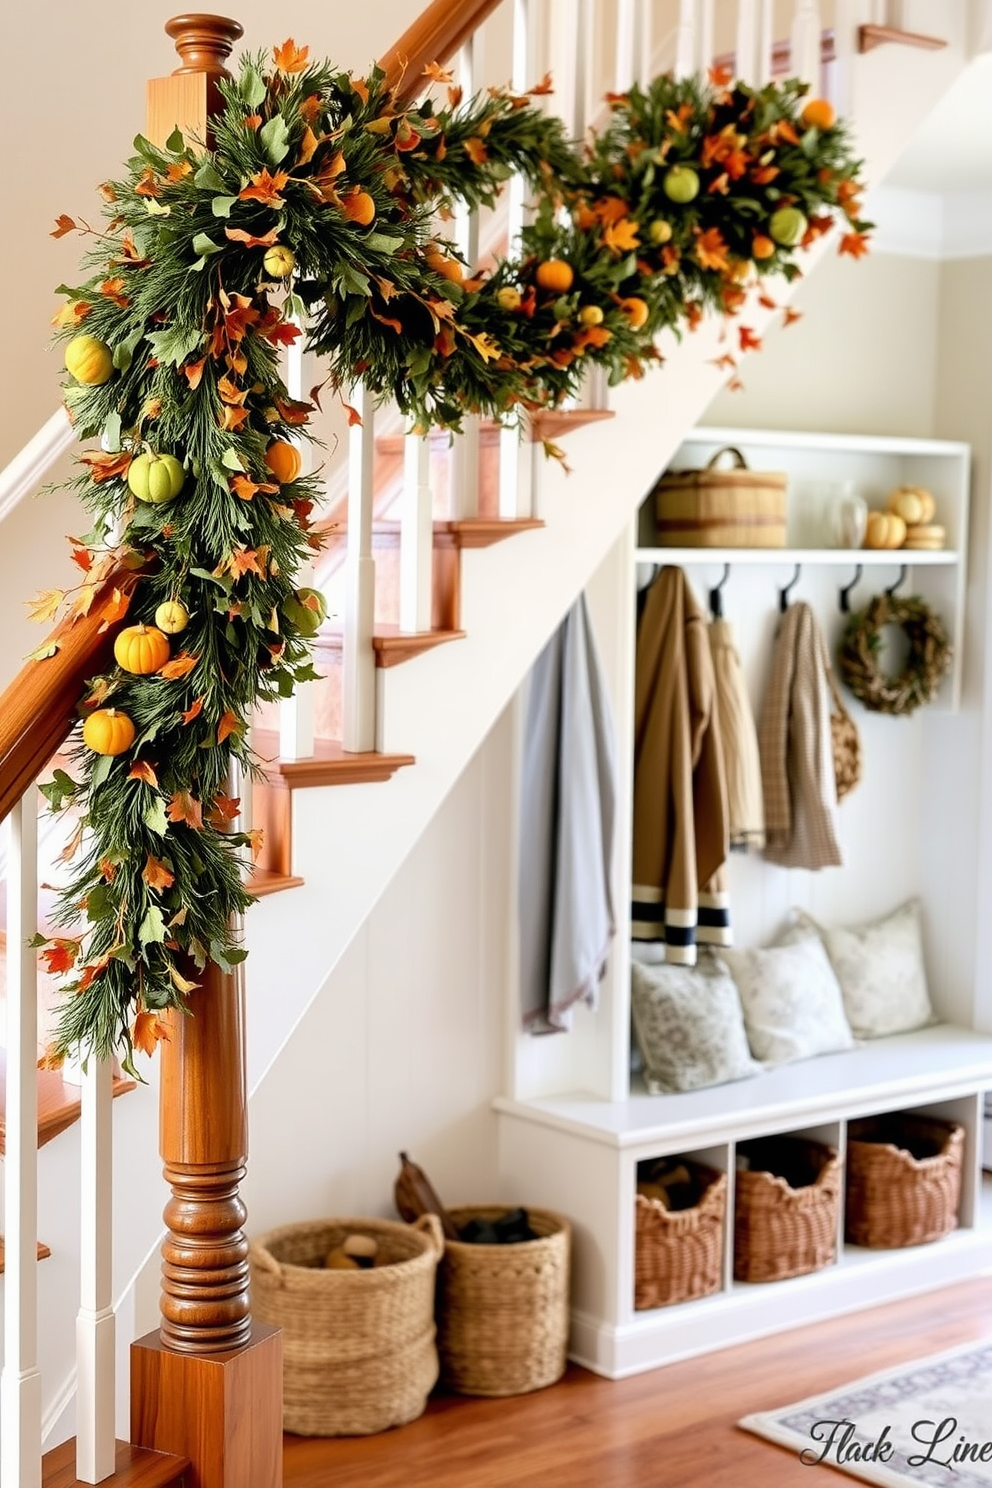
{"x": 108, "y": 732}
{"x": 636, "y": 311}
{"x": 448, "y": 268}
{"x": 762, "y": 247}
{"x": 818, "y": 113}
{"x": 284, "y": 460}
{"x": 556, "y": 275}
{"x": 141, "y": 650}
{"x": 360, "y": 208}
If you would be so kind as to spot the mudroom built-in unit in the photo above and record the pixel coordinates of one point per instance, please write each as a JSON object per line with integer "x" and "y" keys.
{"x": 578, "y": 1129}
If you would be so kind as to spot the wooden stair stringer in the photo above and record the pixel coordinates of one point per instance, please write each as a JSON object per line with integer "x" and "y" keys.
{"x": 135, "y": 1467}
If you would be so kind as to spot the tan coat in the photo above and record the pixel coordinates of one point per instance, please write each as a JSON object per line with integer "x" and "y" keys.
{"x": 680, "y": 792}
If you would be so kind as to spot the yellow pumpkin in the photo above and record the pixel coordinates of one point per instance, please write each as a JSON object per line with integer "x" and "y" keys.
{"x": 914, "y": 504}
{"x": 284, "y": 461}
{"x": 108, "y": 732}
{"x": 279, "y": 262}
{"x": 508, "y": 298}
{"x": 141, "y": 650}
{"x": 884, "y": 530}
{"x": 89, "y": 360}
{"x": 555, "y": 274}
{"x": 636, "y": 311}
{"x": 172, "y": 616}
{"x": 155, "y": 478}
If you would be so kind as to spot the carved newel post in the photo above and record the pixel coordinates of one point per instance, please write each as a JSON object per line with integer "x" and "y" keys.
{"x": 208, "y": 1384}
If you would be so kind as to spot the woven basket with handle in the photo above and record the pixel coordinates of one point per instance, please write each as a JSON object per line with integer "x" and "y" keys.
{"x": 679, "y": 1252}
{"x": 903, "y": 1181}
{"x": 786, "y": 1210}
{"x": 719, "y": 508}
{"x": 359, "y": 1346}
{"x": 503, "y": 1309}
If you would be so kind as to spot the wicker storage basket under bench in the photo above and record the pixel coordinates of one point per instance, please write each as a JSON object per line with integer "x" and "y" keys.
{"x": 679, "y": 1252}
{"x": 903, "y": 1180}
{"x": 787, "y": 1208}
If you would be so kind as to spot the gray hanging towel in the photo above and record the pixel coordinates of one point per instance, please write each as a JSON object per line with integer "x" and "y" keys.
{"x": 794, "y": 736}
{"x": 739, "y": 742}
{"x": 568, "y": 809}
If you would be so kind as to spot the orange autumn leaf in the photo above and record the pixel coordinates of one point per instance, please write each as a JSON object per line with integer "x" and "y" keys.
{"x": 60, "y": 956}
{"x": 766, "y": 302}
{"x": 476, "y": 151}
{"x": 193, "y": 372}
{"x": 437, "y": 73}
{"x": 113, "y": 289}
{"x": 177, "y": 169}
{"x": 311, "y": 107}
{"x": 115, "y": 609}
{"x": 107, "y": 191}
{"x": 185, "y": 808}
{"x": 408, "y": 138}
{"x": 855, "y": 245}
{"x": 308, "y": 147}
{"x": 45, "y": 605}
{"x": 73, "y": 845}
{"x": 244, "y": 561}
{"x": 72, "y": 314}
{"x": 677, "y": 119}
{"x": 265, "y": 188}
{"x": 725, "y": 363}
{"x": 256, "y": 839}
{"x": 193, "y": 711}
{"x": 179, "y": 666}
{"x": 791, "y": 316}
{"x": 157, "y": 875}
{"x": 720, "y": 75}
{"x": 63, "y": 224}
{"x": 747, "y": 339}
{"x": 230, "y": 392}
{"x": 238, "y": 235}
{"x": 711, "y": 250}
{"x": 108, "y": 869}
{"x": 289, "y": 57}
{"x": 232, "y": 418}
{"x": 246, "y": 488}
{"x": 148, "y": 1030}
{"x": 142, "y": 770}
{"x": 544, "y": 86}
{"x": 621, "y": 237}
{"x": 148, "y": 184}
{"x": 591, "y": 336}
{"x": 181, "y": 983}
{"x": 292, "y": 411}
{"x": 228, "y": 725}
{"x": 104, "y": 465}
{"x": 223, "y": 810}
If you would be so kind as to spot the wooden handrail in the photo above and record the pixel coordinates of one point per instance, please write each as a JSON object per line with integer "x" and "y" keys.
{"x": 38, "y": 709}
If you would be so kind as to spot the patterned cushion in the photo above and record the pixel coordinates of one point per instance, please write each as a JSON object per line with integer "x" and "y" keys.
{"x": 689, "y": 1026}
{"x": 793, "y": 1007}
{"x": 880, "y": 969}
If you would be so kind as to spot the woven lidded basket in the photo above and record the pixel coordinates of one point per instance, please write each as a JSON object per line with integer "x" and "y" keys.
{"x": 358, "y": 1346}
{"x": 717, "y": 508}
{"x": 903, "y": 1180}
{"x": 503, "y": 1309}
{"x": 786, "y": 1209}
{"x": 679, "y": 1252}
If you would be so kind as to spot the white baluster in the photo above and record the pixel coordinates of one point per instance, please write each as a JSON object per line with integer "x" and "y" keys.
{"x": 296, "y": 714}
{"x": 686, "y": 39}
{"x": 416, "y": 535}
{"x": 516, "y": 455}
{"x": 747, "y": 41}
{"x": 766, "y": 42}
{"x": 465, "y": 448}
{"x": 707, "y": 44}
{"x": 804, "y": 61}
{"x": 20, "y": 1383}
{"x": 358, "y": 660}
{"x": 95, "y": 1325}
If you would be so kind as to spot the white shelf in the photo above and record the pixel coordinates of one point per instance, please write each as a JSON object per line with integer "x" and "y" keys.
{"x": 842, "y": 444}
{"x": 846, "y": 557}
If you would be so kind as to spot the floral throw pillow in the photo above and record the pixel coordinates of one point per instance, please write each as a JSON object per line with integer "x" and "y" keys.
{"x": 793, "y": 1007}
{"x": 880, "y": 969}
{"x": 689, "y": 1026}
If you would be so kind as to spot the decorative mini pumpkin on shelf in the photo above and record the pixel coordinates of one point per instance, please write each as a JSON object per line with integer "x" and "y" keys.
{"x": 914, "y": 504}
{"x": 108, "y": 732}
{"x": 89, "y": 360}
{"x": 155, "y": 478}
{"x": 884, "y": 530}
{"x": 172, "y": 616}
{"x": 284, "y": 461}
{"x": 141, "y": 650}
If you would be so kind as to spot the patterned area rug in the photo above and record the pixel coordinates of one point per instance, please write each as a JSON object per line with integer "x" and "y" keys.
{"x": 926, "y": 1422}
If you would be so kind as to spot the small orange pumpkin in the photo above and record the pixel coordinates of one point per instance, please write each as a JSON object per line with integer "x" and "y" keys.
{"x": 636, "y": 311}
{"x": 359, "y": 207}
{"x": 284, "y": 460}
{"x": 141, "y": 650}
{"x": 818, "y": 113}
{"x": 555, "y": 274}
{"x": 108, "y": 732}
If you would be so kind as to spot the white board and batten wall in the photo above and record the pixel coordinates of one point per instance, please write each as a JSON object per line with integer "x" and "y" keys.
{"x": 574, "y": 1124}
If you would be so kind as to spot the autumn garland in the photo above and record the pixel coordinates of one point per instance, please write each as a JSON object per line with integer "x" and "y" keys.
{"x": 317, "y": 201}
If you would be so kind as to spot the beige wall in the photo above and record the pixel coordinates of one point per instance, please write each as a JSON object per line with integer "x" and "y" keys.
{"x": 861, "y": 361}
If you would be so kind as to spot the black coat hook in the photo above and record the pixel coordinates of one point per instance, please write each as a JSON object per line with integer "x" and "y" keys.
{"x": 783, "y": 594}
{"x": 716, "y": 594}
{"x": 903, "y": 571}
{"x": 845, "y": 593}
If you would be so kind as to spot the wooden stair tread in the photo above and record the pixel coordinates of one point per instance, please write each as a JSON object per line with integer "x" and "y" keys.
{"x": 466, "y": 532}
{"x": 43, "y": 1253}
{"x": 391, "y": 645}
{"x": 550, "y": 423}
{"x": 330, "y": 764}
{"x": 264, "y": 881}
{"x": 134, "y": 1467}
{"x": 870, "y": 37}
{"x": 58, "y": 1104}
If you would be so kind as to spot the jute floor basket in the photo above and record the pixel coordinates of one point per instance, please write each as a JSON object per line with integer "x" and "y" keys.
{"x": 503, "y": 1309}
{"x": 903, "y": 1181}
{"x": 679, "y": 1252}
{"x": 359, "y": 1346}
{"x": 786, "y": 1226}
{"x": 719, "y": 508}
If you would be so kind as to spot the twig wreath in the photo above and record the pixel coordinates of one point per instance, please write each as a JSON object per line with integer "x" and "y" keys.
{"x": 316, "y": 205}
{"x": 927, "y": 662}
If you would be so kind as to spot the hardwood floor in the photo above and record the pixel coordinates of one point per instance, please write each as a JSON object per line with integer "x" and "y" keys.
{"x": 673, "y": 1426}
